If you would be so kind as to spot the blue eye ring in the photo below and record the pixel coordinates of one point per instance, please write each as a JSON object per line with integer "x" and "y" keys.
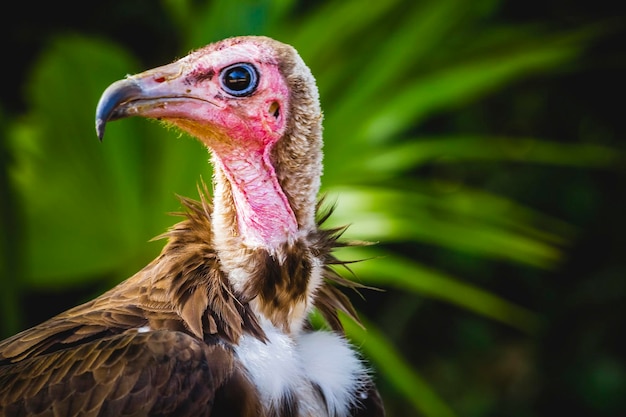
{"x": 239, "y": 80}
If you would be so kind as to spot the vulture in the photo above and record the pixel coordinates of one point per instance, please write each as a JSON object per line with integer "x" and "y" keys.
{"x": 218, "y": 324}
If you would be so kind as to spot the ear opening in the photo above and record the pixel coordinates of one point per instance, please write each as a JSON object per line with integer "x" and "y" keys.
{"x": 274, "y": 109}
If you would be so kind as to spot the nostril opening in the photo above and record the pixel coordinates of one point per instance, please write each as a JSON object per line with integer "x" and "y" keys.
{"x": 274, "y": 109}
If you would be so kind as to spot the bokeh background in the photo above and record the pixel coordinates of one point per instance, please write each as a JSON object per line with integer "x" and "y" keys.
{"x": 481, "y": 144}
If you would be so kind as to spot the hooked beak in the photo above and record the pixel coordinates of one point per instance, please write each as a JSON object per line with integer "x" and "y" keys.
{"x": 163, "y": 92}
{"x": 112, "y": 102}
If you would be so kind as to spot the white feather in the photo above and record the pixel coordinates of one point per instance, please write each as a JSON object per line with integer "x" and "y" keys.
{"x": 273, "y": 366}
{"x": 295, "y": 365}
{"x": 331, "y": 363}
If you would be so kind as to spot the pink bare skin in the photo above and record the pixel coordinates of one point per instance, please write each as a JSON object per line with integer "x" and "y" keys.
{"x": 240, "y": 131}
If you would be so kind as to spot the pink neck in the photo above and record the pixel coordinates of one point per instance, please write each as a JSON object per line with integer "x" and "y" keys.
{"x": 264, "y": 216}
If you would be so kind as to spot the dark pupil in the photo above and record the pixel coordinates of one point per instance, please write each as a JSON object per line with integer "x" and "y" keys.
{"x": 237, "y": 79}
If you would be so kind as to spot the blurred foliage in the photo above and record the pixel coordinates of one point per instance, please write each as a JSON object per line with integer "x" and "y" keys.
{"x": 432, "y": 110}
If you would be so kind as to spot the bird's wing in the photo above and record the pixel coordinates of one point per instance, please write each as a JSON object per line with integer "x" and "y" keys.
{"x": 165, "y": 373}
{"x": 370, "y": 404}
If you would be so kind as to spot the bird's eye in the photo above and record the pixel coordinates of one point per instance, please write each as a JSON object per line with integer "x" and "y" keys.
{"x": 239, "y": 80}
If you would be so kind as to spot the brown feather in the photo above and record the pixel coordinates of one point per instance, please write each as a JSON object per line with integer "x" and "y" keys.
{"x": 94, "y": 340}
{"x": 140, "y": 373}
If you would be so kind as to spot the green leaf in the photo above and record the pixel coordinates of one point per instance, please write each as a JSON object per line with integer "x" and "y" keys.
{"x": 387, "y": 270}
{"x": 317, "y": 35}
{"x": 395, "y": 369}
{"x": 475, "y": 223}
{"x": 86, "y": 201}
{"x": 207, "y": 23}
{"x": 453, "y": 86}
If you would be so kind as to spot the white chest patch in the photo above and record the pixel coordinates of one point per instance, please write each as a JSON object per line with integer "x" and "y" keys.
{"x": 286, "y": 365}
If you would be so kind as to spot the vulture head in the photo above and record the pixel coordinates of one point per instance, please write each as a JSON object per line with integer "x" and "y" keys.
{"x": 254, "y": 103}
